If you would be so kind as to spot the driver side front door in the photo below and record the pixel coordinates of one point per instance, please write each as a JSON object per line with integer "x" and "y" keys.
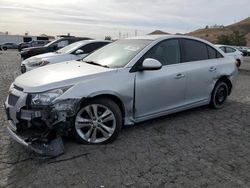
{"x": 158, "y": 91}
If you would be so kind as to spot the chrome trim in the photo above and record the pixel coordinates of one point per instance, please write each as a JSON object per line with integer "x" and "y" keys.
{"x": 12, "y": 125}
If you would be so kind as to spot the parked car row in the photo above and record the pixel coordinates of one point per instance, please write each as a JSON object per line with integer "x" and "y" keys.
{"x": 8, "y": 45}
{"x": 74, "y": 51}
{"x": 33, "y": 43}
{"x": 245, "y": 50}
{"x": 119, "y": 84}
{"x": 20, "y": 46}
{"x": 233, "y": 52}
{"x": 50, "y": 47}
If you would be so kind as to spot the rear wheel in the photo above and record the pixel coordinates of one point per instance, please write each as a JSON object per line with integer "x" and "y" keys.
{"x": 99, "y": 121}
{"x": 219, "y": 95}
{"x": 5, "y": 48}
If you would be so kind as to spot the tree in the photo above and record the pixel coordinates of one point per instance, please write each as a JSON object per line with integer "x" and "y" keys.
{"x": 223, "y": 39}
{"x": 234, "y": 39}
{"x": 238, "y": 39}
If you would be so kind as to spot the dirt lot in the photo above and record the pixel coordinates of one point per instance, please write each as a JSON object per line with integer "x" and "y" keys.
{"x": 196, "y": 148}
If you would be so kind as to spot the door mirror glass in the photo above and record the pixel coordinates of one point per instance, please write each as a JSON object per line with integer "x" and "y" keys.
{"x": 150, "y": 64}
{"x": 79, "y": 51}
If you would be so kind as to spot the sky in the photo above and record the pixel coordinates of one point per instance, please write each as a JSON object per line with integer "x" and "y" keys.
{"x": 100, "y": 18}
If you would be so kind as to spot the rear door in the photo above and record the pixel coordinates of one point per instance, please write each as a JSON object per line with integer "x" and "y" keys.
{"x": 200, "y": 61}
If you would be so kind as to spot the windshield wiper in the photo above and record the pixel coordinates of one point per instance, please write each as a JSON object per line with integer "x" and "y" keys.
{"x": 94, "y": 63}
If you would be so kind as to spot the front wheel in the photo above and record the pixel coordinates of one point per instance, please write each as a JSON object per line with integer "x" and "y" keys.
{"x": 99, "y": 121}
{"x": 219, "y": 95}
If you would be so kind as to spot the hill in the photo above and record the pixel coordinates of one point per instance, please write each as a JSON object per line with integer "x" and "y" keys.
{"x": 211, "y": 34}
{"x": 158, "y": 32}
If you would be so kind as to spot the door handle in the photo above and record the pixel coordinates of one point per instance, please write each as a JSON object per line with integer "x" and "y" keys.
{"x": 212, "y": 69}
{"x": 179, "y": 76}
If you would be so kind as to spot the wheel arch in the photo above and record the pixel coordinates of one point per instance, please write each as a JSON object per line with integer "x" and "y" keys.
{"x": 226, "y": 79}
{"x": 109, "y": 96}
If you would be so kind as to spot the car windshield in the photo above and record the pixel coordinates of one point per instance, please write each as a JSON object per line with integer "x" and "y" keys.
{"x": 50, "y": 43}
{"x": 117, "y": 54}
{"x": 70, "y": 48}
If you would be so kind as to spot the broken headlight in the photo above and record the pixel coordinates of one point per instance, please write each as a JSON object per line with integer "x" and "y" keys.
{"x": 47, "y": 97}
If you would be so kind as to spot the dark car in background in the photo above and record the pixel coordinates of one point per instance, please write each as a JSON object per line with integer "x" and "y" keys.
{"x": 50, "y": 47}
{"x": 33, "y": 43}
{"x": 8, "y": 45}
{"x": 245, "y": 50}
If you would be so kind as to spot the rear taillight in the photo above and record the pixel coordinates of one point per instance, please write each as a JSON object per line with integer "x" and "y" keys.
{"x": 237, "y": 63}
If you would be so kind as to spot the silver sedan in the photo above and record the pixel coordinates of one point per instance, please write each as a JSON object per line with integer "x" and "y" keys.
{"x": 123, "y": 83}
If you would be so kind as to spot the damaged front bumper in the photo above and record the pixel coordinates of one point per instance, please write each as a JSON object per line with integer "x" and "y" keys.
{"x": 54, "y": 148}
{"x": 39, "y": 128}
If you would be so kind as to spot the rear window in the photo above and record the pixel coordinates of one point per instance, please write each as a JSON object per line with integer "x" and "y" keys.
{"x": 211, "y": 52}
{"x": 230, "y": 50}
{"x": 193, "y": 50}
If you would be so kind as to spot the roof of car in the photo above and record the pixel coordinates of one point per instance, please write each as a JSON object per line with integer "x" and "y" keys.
{"x": 222, "y": 45}
{"x": 161, "y": 37}
{"x": 91, "y": 41}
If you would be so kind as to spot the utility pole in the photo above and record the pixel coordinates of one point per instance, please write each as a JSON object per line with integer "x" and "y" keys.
{"x": 136, "y": 32}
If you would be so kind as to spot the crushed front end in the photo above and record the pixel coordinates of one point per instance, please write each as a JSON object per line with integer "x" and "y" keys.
{"x": 39, "y": 126}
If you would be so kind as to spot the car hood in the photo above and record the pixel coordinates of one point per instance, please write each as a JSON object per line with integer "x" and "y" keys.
{"x": 42, "y": 57}
{"x": 59, "y": 75}
{"x": 41, "y": 48}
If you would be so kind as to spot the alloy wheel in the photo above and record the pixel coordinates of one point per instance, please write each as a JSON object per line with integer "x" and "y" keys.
{"x": 95, "y": 123}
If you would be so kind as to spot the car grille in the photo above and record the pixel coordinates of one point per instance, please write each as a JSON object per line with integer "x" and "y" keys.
{"x": 12, "y": 99}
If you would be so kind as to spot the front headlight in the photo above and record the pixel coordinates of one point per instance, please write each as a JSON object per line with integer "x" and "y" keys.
{"x": 47, "y": 97}
{"x": 38, "y": 63}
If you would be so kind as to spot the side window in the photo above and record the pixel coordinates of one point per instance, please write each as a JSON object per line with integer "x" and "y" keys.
{"x": 92, "y": 47}
{"x": 223, "y": 49}
{"x": 230, "y": 50}
{"x": 167, "y": 52}
{"x": 62, "y": 43}
{"x": 40, "y": 42}
{"x": 211, "y": 52}
{"x": 193, "y": 50}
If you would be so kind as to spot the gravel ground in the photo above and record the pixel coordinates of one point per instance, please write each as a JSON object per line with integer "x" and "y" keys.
{"x": 201, "y": 147}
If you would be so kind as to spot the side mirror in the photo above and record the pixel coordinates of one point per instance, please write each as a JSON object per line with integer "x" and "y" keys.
{"x": 79, "y": 51}
{"x": 150, "y": 64}
{"x": 55, "y": 47}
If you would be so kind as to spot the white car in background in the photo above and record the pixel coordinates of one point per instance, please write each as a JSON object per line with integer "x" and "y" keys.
{"x": 75, "y": 51}
{"x": 231, "y": 51}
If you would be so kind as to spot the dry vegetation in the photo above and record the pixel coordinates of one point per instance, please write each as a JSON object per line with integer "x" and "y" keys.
{"x": 211, "y": 34}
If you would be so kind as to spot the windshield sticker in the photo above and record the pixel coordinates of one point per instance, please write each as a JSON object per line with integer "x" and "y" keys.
{"x": 132, "y": 48}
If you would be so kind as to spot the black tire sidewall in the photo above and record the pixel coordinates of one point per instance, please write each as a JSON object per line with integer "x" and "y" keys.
{"x": 213, "y": 100}
{"x": 113, "y": 107}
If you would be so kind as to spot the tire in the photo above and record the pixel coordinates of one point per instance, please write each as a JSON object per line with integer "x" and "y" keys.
{"x": 219, "y": 95}
{"x": 98, "y": 121}
{"x": 4, "y": 48}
